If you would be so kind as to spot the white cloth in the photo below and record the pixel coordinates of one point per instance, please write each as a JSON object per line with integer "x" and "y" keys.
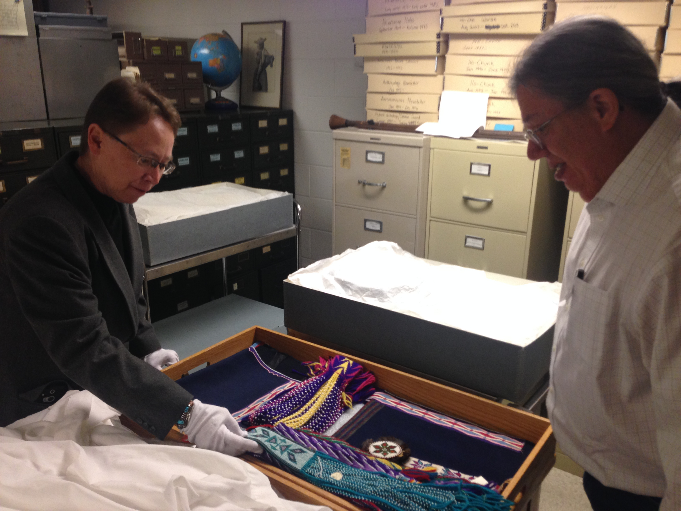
{"x": 76, "y": 456}
{"x": 381, "y": 274}
{"x": 615, "y": 394}
{"x": 162, "y": 358}
{"x": 213, "y": 427}
{"x": 162, "y": 207}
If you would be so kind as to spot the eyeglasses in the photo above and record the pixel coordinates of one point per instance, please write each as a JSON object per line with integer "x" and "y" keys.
{"x": 533, "y": 135}
{"x": 146, "y": 161}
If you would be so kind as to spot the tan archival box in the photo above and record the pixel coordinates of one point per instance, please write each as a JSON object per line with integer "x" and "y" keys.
{"x": 414, "y": 21}
{"x": 504, "y": 45}
{"x": 413, "y": 119}
{"x": 495, "y": 87}
{"x": 382, "y": 7}
{"x": 405, "y": 84}
{"x": 398, "y": 37}
{"x": 526, "y": 23}
{"x": 402, "y": 49}
{"x": 503, "y": 108}
{"x": 480, "y": 65}
{"x": 404, "y": 102}
{"x": 627, "y": 13}
{"x": 485, "y": 413}
{"x": 498, "y": 8}
{"x": 414, "y": 66}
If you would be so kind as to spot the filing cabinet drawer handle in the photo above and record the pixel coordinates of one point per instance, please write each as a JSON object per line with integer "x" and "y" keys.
{"x": 477, "y": 199}
{"x": 367, "y": 183}
{"x": 16, "y": 162}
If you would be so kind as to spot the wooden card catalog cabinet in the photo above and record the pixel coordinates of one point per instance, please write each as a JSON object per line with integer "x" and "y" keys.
{"x": 492, "y": 209}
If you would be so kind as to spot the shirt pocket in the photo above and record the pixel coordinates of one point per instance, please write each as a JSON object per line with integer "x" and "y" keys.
{"x": 588, "y": 331}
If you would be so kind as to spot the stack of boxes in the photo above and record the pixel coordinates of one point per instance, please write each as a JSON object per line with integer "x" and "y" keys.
{"x": 485, "y": 40}
{"x": 164, "y": 63}
{"x": 647, "y": 20}
{"x": 403, "y": 51}
{"x": 670, "y": 65}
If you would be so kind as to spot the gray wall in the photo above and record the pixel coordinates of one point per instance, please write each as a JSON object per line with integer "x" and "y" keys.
{"x": 321, "y": 76}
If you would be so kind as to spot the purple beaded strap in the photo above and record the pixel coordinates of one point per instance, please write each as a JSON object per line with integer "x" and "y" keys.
{"x": 318, "y": 402}
{"x": 336, "y": 449}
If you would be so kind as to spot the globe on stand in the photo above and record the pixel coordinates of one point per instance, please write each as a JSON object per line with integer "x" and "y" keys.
{"x": 221, "y": 64}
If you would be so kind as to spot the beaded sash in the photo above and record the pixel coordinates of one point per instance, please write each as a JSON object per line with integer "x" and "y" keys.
{"x": 318, "y": 402}
{"x": 375, "y": 489}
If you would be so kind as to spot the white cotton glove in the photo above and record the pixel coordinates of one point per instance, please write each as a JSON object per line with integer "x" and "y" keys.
{"x": 214, "y": 428}
{"x": 162, "y": 358}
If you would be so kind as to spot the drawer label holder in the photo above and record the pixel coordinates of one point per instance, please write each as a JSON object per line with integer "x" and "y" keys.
{"x": 33, "y": 144}
{"x": 373, "y": 225}
{"x": 375, "y": 157}
{"x": 345, "y": 157}
{"x": 481, "y": 169}
{"x": 474, "y": 242}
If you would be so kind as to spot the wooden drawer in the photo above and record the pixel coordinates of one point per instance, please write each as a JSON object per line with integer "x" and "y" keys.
{"x": 475, "y": 247}
{"x": 395, "y": 166}
{"x": 521, "y": 488}
{"x": 354, "y": 228}
{"x": 492, "y": 190}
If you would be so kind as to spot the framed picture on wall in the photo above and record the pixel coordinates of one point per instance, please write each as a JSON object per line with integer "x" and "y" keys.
{"x": 262, "y": 57}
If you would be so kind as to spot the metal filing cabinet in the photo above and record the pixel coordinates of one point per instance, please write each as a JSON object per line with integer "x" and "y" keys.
{"x": 185, "y": 157}
{"x": 86, "y": 56}
{"x": 67, "y": 134}
{"x": 380, "y": 189}
{"x": 492, "y": 209}
{"x": 574, "y": 210}
{"x": 272, "y": 149}
{"x": 224, "y": 147}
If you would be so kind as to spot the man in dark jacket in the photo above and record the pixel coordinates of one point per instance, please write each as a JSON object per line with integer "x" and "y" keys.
{"x": 71, "y": 276}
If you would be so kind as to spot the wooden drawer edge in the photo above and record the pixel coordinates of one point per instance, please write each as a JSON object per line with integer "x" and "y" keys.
{"x": 468, "y": 407}
{"x": 535, "y": 468}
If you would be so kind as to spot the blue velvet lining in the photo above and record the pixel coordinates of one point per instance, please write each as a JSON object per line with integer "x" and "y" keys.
{"x": 234, "y": 382}
{"x": 434, "y": 443}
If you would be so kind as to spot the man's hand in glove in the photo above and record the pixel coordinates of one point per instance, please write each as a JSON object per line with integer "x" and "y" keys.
{"x": 213, "y": 427}
{"x": 162, "y": 358}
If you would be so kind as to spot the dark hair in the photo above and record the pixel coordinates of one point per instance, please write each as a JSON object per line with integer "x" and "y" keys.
{"x": 584, "y": 53}
{"x": 122, "y": 105}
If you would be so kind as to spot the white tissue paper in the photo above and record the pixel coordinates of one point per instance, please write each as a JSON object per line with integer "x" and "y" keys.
{"x": 162, "y": 207}
{"x": 384, "y": 275}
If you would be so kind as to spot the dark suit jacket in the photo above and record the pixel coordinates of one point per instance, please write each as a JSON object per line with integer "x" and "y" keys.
{"x": 71, "y": 311}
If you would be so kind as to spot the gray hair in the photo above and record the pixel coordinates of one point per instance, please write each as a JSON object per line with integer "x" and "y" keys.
{"x": 585, "y": 53}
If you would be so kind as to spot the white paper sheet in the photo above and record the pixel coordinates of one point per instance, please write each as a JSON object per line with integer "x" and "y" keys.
{"x": 384, "y": 275}
{"x": 13, "y": 18}
{"x": 162, "y": 207}
{"x": 461, "y": 114}
{"x": 76, "y": 456}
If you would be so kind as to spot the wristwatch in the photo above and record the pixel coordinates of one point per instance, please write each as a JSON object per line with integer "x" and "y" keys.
{"x": 183, "y": 421}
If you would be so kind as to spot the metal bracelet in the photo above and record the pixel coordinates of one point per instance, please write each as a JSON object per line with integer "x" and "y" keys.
{"x": 183, "y": 421}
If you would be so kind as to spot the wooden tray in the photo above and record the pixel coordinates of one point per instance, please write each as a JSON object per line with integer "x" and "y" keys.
{"x": 522, "y": 488}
